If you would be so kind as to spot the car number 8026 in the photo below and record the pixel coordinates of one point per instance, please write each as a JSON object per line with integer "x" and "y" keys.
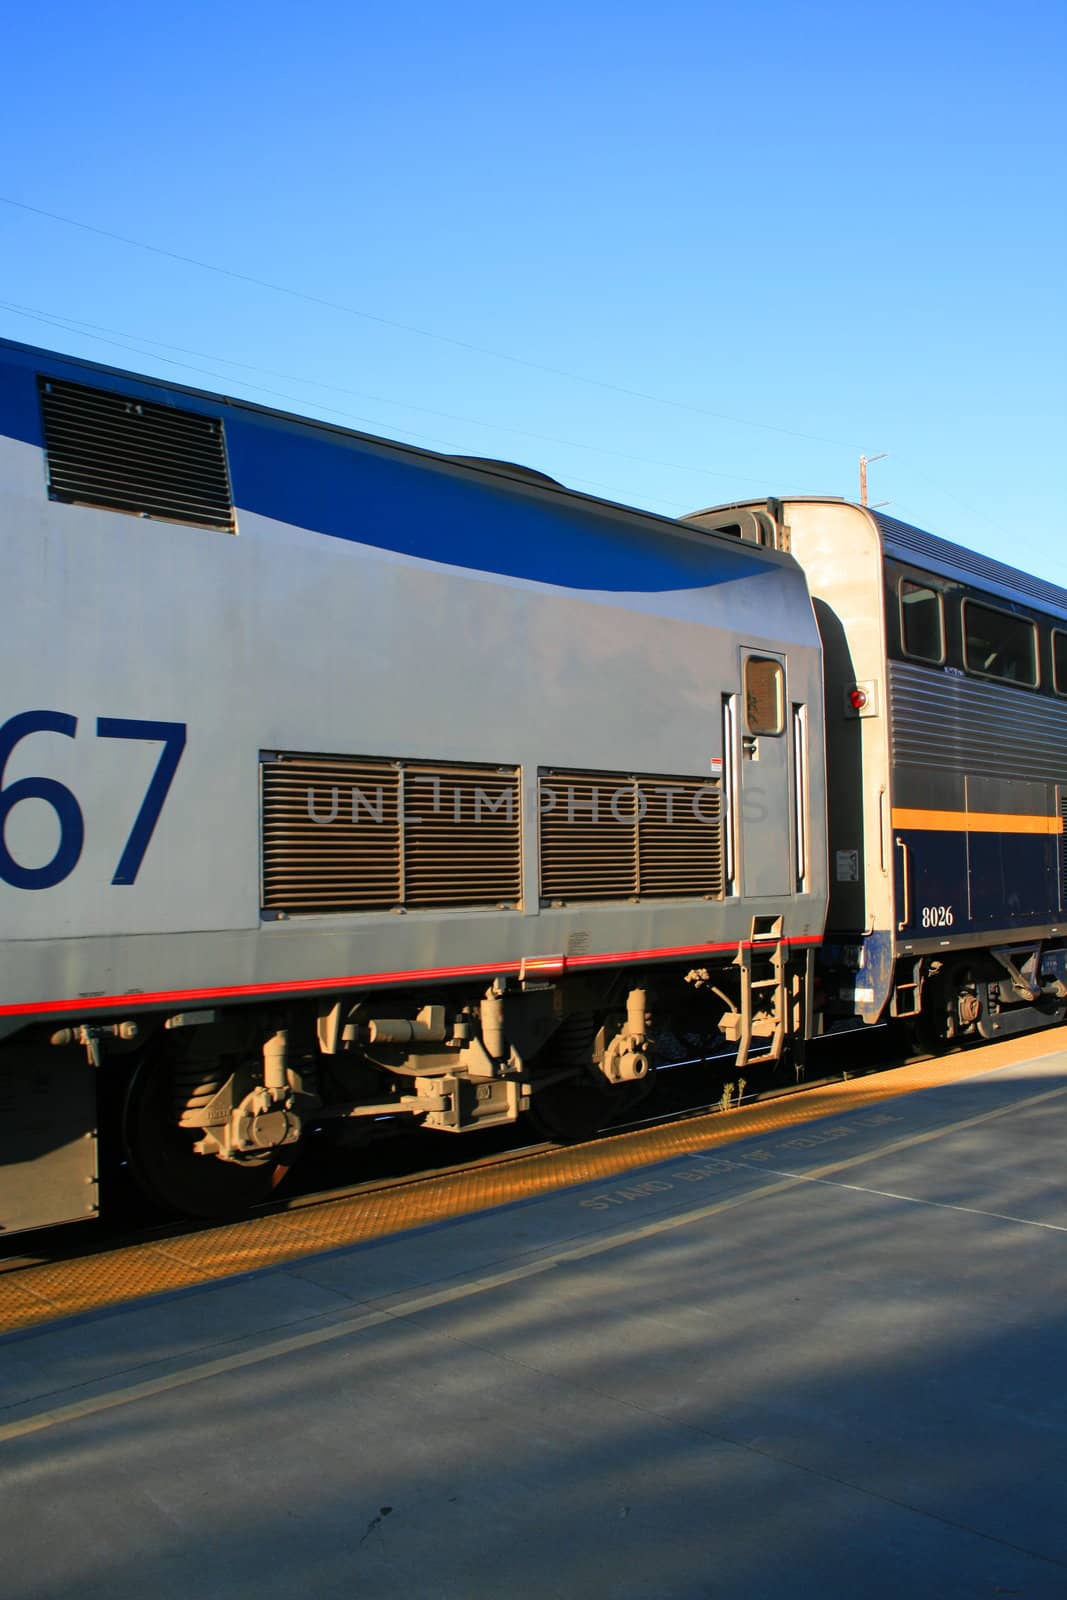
{"x": 936, "y": 917}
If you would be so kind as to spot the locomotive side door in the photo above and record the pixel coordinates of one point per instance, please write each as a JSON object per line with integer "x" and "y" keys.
{"x": 764, "y": 813}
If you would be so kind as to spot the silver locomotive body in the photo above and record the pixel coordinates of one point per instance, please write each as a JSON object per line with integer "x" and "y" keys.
{"x": 342, "y": 780}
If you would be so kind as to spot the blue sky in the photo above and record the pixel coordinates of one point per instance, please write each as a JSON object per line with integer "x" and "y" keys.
{"x": 675, "y": 255}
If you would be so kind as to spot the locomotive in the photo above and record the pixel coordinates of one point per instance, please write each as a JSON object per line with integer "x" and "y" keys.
{"x": 344, "y": 783}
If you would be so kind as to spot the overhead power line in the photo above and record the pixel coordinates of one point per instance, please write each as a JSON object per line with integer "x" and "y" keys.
{"x": 94, "y": 329}
{"x": 405, "y": 327}
{"x": 604, "y": 490}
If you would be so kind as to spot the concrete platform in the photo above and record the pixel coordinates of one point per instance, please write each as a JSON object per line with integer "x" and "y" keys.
{"x": 826, "y": 1361}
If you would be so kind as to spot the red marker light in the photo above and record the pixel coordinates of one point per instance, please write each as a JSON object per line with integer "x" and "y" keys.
{"x": 857, "y": 699}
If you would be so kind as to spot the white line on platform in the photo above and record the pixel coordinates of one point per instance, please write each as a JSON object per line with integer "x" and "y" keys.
{"x": 917, "y": 1200}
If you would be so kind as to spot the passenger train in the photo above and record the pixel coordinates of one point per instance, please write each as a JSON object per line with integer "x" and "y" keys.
{"x": 343, "y": 783}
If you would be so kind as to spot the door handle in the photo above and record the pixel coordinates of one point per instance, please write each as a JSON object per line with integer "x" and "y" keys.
{"x": 905, "y": 865}
{"x": 750, "y": 746}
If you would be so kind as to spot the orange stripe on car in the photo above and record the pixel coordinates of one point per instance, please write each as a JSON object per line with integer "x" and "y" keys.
{"x": 974, "y": 822}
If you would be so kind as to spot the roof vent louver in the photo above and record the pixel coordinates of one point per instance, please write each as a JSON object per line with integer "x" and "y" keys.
{"x": 127, "y": 454}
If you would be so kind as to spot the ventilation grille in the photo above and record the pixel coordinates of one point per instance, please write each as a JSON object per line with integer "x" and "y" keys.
{"x": 621, "y": 836}
{"x": 108, "y": 449}
{"x": 341, "y": 833}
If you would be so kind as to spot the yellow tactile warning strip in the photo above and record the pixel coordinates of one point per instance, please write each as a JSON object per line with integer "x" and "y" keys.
{"x": 45, "y": 1293}
{"x": 974, "y": 821}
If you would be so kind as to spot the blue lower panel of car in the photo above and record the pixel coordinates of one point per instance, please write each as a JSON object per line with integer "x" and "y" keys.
{"x": 954, "y": 881}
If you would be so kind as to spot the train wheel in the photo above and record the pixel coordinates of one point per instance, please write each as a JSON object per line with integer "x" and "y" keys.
{"x": 950, "y": 1010}
{"x": 166, "y": 1166}
{"x": 577, "y": 1102}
